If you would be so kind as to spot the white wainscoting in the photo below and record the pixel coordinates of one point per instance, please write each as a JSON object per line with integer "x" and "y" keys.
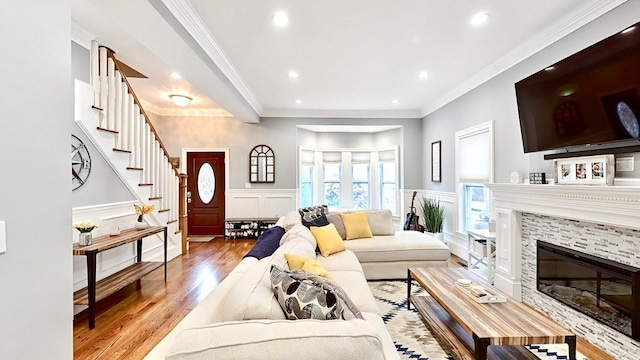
{"x": 109, "y": 218}
{"x": 260, "y": 203}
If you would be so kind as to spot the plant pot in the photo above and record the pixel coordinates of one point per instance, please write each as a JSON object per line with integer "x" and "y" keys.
{"x": 142, "y": 225}
{"x": 437, "y": 236}
{"x": 84, "y": 238}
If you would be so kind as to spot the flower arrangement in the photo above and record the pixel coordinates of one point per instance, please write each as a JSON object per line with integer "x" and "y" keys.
{"x": 142, "y": 210}
{"x": 85, "y": 226}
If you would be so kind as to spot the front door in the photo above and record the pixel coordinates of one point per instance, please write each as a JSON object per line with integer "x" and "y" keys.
{"x": 205, "y": 193}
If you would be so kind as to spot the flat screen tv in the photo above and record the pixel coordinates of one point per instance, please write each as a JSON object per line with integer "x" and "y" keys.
{"x": 589, "y": 98}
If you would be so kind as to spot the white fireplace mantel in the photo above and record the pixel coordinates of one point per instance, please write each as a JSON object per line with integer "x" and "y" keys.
{"x": 606, "y": 205}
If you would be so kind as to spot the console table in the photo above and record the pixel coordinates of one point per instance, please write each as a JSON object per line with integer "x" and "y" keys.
{"x": 96, "y": 291}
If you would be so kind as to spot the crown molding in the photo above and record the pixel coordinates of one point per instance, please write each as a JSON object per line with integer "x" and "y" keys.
{"x": 582, "y": 15}
{"x": 81, "y": 36}
{"x": 184, "y": 111}
{"x": 189, "y": 19}
{"x": 370, "y": 114}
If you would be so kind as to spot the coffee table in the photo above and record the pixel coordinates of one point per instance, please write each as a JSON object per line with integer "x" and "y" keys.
{"x": 466, "y": 328}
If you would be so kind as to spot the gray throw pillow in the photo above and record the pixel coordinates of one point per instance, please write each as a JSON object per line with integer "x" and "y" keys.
{"x": 336, "y": 220}
{"x": 312, "y": 212}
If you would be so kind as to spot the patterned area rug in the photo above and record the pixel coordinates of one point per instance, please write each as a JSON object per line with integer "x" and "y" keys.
{"x": 411, "y": 336}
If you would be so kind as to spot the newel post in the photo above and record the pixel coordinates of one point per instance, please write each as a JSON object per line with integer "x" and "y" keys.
{"x": 182, "y": 211}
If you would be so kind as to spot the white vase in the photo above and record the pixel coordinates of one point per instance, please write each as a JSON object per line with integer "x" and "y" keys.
{"x": 84, "y": 238}
{"x": 141, "y": 225}
{"x": 437, "y": 236}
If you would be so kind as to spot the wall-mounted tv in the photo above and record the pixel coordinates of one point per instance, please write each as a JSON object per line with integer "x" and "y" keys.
{"x": 591, "y": 97}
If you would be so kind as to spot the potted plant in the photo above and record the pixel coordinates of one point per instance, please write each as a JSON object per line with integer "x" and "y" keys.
{"x": 85, "y": 229}
{"x": 433, "y": 217}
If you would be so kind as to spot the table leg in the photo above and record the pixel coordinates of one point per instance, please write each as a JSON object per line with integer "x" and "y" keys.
{"x": 571, "y": 341}
{"x": 480, "y": 346}
{"x": 165, "y": 253}
{"x": 139, "y": 249}
{"x": 91, "y": 286}
{"x": 408, "y": 289}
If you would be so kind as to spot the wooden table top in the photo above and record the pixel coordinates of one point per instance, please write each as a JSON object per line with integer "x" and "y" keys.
{"x": 107, "y": 242}
{"x": 508, "y": 323}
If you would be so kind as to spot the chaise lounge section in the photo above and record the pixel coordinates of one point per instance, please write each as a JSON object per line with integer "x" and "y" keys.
{"x": 243, "y": 317}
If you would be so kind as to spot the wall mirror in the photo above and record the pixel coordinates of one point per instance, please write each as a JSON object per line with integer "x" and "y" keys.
{"x": 262, "y": 165}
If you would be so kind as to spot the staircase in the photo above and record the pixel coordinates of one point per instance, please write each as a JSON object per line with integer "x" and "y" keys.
{"x": 110, "y": 114}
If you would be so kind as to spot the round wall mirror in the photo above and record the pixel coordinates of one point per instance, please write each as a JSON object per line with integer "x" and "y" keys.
{"x": 262, "y": 165}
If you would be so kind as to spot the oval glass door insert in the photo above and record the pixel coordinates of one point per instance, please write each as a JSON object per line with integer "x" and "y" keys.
{"x": 206, "y": 183}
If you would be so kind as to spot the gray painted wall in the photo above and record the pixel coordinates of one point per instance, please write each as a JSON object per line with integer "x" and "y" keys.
{"x": 36, "y": 270}
{"x": 284, "y": 137}
{"x": 496, "y": 100}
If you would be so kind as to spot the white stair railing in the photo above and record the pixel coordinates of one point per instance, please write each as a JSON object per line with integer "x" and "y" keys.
{"x": 122, "y": 115}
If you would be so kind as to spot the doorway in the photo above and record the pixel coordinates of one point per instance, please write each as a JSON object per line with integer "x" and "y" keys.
{"x": 206, "y": 193}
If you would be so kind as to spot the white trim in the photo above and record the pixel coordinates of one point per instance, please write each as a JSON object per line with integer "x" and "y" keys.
{"x": 81, "y": 36}
{"x": 586, "y": 12}
{"x": 189, "y": 19}
{"x": 368, "y": 114}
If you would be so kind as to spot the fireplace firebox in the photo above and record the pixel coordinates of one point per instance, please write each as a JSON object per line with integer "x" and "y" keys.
{"x": 602, "y": 289}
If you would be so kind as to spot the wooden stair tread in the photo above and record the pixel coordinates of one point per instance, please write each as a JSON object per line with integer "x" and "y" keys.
{"x": 115, "y": 282}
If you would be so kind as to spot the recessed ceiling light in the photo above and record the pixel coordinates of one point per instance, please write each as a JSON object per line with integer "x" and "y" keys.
{"x": 292, "y": 74}
{"x": 627, "y": 30}
{"x": 550, "y": 68}
{"x": 175, "y": 75}
{"x": 423, "y": 75}
{"x": 395, "y": 101}
{"x": 280, "y": 19}
{"x": 298, "y": 101}
{"x": 479, "y": 18}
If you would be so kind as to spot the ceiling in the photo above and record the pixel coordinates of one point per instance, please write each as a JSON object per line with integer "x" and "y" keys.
{"x": 353, "y": 58}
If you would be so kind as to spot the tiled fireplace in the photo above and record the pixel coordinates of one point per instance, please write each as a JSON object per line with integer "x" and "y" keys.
{"x": 602, "y": 222}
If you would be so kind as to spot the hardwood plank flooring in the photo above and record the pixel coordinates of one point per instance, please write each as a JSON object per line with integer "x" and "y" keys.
{"x": 132, "y": 321}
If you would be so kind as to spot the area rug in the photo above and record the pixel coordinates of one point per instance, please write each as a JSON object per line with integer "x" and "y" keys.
{"x": 412, "y": 338}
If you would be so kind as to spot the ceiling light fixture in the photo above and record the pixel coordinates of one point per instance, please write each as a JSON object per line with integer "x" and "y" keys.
{"x": 423, "y": 75}
{"x": 280, "y": 19}
{"x": 180, "y": 100}
{"x": 479, "y": 18}
{"x": 298, "y": 101}
{"x": 627, "y": 30}
{"x": 395, "y": 101}
{"x": 175, "y": 75}
{"x": 292, "y": 74}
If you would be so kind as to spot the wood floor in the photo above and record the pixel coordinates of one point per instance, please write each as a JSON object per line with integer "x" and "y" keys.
{"x": 132, "y": 321}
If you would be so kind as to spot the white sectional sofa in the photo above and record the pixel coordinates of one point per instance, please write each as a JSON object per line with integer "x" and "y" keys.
{"x": 242, "y": 318}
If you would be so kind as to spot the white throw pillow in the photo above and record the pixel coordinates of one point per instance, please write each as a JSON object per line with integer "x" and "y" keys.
{"x": 292, "y": 218}
{"x": 381, "y": 222}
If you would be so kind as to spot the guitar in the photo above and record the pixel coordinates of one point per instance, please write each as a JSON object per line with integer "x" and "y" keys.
{"x": 411, "y": 222}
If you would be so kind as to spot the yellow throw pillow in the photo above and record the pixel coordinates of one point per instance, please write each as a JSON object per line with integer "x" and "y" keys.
{"x": 356, "y": 225}
{"x": 328, "y": 239}
{"x": 297, "y": 261}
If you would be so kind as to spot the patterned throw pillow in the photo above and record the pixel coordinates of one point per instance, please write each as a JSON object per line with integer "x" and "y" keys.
{"x": 319, "y": 221}
{"x": 302, "y": 295}
{"x": 312, "y": 212}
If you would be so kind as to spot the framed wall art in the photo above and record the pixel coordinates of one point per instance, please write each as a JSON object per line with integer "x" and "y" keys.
{"x": 586, "y": 170}
{"x": 436, "y": 158}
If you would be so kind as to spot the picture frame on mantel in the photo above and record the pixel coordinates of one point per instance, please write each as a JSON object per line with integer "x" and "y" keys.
{"x": 585, "y": 170}
{"x": 436, "y": 158}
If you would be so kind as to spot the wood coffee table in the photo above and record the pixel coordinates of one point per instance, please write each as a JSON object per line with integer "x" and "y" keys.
{"x": 466, "y": 328}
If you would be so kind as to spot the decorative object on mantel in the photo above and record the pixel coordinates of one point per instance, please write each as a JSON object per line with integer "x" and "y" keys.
{"x": 141, "y": 211}
{"x": 537, "y": 178}
{"x": 514, "y": 177}
{"x": 85, "y": 228}
{"x": 585, "y": 170}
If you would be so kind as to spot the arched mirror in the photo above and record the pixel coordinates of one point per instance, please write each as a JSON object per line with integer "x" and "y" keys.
{"x": 262, "y": 165}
